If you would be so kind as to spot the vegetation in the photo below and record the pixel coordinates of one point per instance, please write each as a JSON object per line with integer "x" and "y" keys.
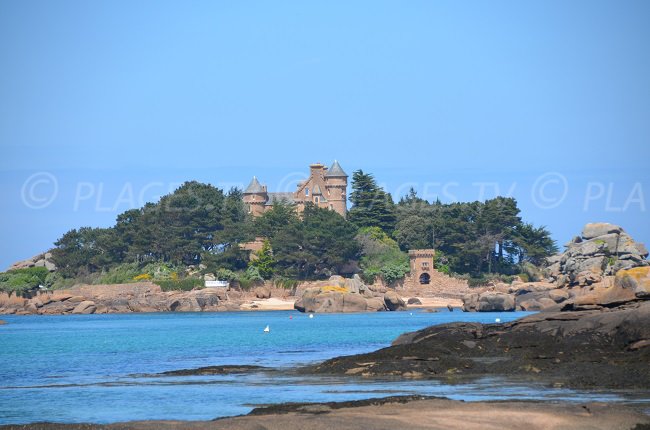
{"x": 196, "y": 230}
{"x": 22, "y": 281}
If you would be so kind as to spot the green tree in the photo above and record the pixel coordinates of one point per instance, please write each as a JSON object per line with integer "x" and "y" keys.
{"x": 372, "y": 206}
{"x": 319, "y": 245}
{"x": 264, "y": 261}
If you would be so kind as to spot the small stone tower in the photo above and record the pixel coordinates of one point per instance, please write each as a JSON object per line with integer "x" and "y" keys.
{"x": 421, "y": 265}
{"x": 336, "y": 181}
{"x": 255, "y": 197}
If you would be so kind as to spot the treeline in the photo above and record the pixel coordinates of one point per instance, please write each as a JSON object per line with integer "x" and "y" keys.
{"x": 200, "y": 226}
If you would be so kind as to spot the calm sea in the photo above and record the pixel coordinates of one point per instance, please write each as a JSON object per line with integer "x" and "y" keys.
{"x": 89, "y": 368}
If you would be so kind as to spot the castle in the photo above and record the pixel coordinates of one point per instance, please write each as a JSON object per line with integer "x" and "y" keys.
{"x": 325, "y": 188}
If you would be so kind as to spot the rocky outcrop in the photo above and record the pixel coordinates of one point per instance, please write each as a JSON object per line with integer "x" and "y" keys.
{"x": 339, "y": 294}
{"x": 602, "y": 348}
{"x": 85, "y": 307}
{"x": 40, "y": 260}
{"x": 488, "y": 302}
{"x": 394, "y": 302}
{"x": 602, "y": 249}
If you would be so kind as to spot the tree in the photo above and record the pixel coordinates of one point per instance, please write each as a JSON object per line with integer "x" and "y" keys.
{"x": 264, "y": 261}
{"x": 319, "y": 245}
{"x": 533, "y": 244}
{"x": 372, "y": 206}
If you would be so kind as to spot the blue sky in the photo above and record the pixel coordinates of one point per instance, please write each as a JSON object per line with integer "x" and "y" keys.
{"x": 107, "y": 104}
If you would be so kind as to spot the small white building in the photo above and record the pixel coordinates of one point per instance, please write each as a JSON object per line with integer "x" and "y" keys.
{"x": 217, "y": 284}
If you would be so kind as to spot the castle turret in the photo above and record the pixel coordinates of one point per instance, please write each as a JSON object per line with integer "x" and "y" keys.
{"x": 336, "y": 181}
{"x": 255, "y": 197}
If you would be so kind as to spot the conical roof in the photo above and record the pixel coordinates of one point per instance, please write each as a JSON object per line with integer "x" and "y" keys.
{"x": 254, "y": 187}
{"x": 336, "y": 171}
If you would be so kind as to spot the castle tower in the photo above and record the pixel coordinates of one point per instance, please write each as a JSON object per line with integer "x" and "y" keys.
{"x": 421, "y": 265}
{"x": 336, "y": 181}
{"x": 255, "y": 197}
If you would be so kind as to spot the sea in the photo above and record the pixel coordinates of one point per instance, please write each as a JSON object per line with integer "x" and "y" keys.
{"x": 104, "y": 368}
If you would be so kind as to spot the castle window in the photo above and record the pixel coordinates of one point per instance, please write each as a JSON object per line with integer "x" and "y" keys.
{"x": 306, "y": 191}
{"x": 331, "y": 207}
{"x": 316, "y": 199}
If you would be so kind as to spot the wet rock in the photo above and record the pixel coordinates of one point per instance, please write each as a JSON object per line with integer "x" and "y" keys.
{"x": 413, "y": 301}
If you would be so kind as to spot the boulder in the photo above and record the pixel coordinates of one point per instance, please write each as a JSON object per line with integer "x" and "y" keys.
{"x": 354, "y": 303}
{"x": 531, "y": 305}
{"x": 376, "y": 304}
{"x": 85, "y": 307}
{"x": 636, "y": 279}
{"x": 262, "y": 292}
{"x": 596, "y": 229}
{"x": 470, "y": 303}
{"x": 184, "y": 304}
{"x": 558, "y": 296}
{"x": 495, "y": 302}
{"x": 588, "y": 277}
{"x": 413, "y": 301}
{"x": 394, "y": 302}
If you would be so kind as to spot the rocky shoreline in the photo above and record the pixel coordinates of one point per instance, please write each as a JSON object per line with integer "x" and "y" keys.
{"x": 579, "y": 349}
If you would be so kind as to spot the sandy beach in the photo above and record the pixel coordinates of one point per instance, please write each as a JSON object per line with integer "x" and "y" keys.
{"x": 392, "y": 413}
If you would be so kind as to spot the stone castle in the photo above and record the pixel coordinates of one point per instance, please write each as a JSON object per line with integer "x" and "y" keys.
{"x": 325, "y": 188}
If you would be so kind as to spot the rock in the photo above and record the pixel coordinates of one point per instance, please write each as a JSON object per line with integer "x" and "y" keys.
{"x": 3, "y": 322}
{"x": 354, "y": 303}
{"x": 588, "y": 277}
{"x": 531, "y": 305}
{"x": 470, "y": 302}
{"x": 593, "y": 230}
{"x": 450, "y": 308}
{"x": 495, "y": 302}
{"x": 593, "y": 348}
{"x": 209, "y": 277}
{"x": 262, "y": 292}
{"x": 375, "y": 304}
{"x": 413, "y": 301}
{"x": 184, "y": 304}
{"x": 85, "y": 307}
{"x": 636, "y": 279}
{"x": 394, "y": 302}
{"x": 546, "y": 303}
{"x": 558, "y": 296}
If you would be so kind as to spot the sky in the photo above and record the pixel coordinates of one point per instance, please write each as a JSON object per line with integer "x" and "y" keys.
{"x": 106, "y": 105}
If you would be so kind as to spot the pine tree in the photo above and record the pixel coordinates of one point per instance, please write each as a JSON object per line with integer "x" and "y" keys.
{"x": 372, "y": 206}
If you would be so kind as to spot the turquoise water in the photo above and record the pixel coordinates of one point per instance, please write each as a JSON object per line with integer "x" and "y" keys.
{"x": 92, "y": 368}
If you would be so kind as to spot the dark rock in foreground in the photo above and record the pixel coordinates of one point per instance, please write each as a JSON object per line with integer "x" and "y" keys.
{"x": 599, "y": 348}
{"x": 214, "y": 370}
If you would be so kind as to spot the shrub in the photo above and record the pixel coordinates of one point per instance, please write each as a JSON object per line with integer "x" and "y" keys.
{"x": 142, "y": 277}
{"x": 286, "y": 283}
{"x": 186, "y": 284}
{"x": 21, "y": 281}
{"x": 334, "y": 289}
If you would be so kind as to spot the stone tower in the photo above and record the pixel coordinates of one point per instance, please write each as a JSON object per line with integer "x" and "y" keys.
{"x": 421, "y": 265}
{"x": 255, "y": 197}
{"x": 336, "y": 182}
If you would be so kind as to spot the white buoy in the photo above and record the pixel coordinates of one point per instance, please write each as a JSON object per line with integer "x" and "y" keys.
{"x": 498, "y": 320}
{"x": 267, "y": 329}
{"x": 311, "y": 315}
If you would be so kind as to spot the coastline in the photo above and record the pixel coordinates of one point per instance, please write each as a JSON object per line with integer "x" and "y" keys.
{"x": 410, "y": 412}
